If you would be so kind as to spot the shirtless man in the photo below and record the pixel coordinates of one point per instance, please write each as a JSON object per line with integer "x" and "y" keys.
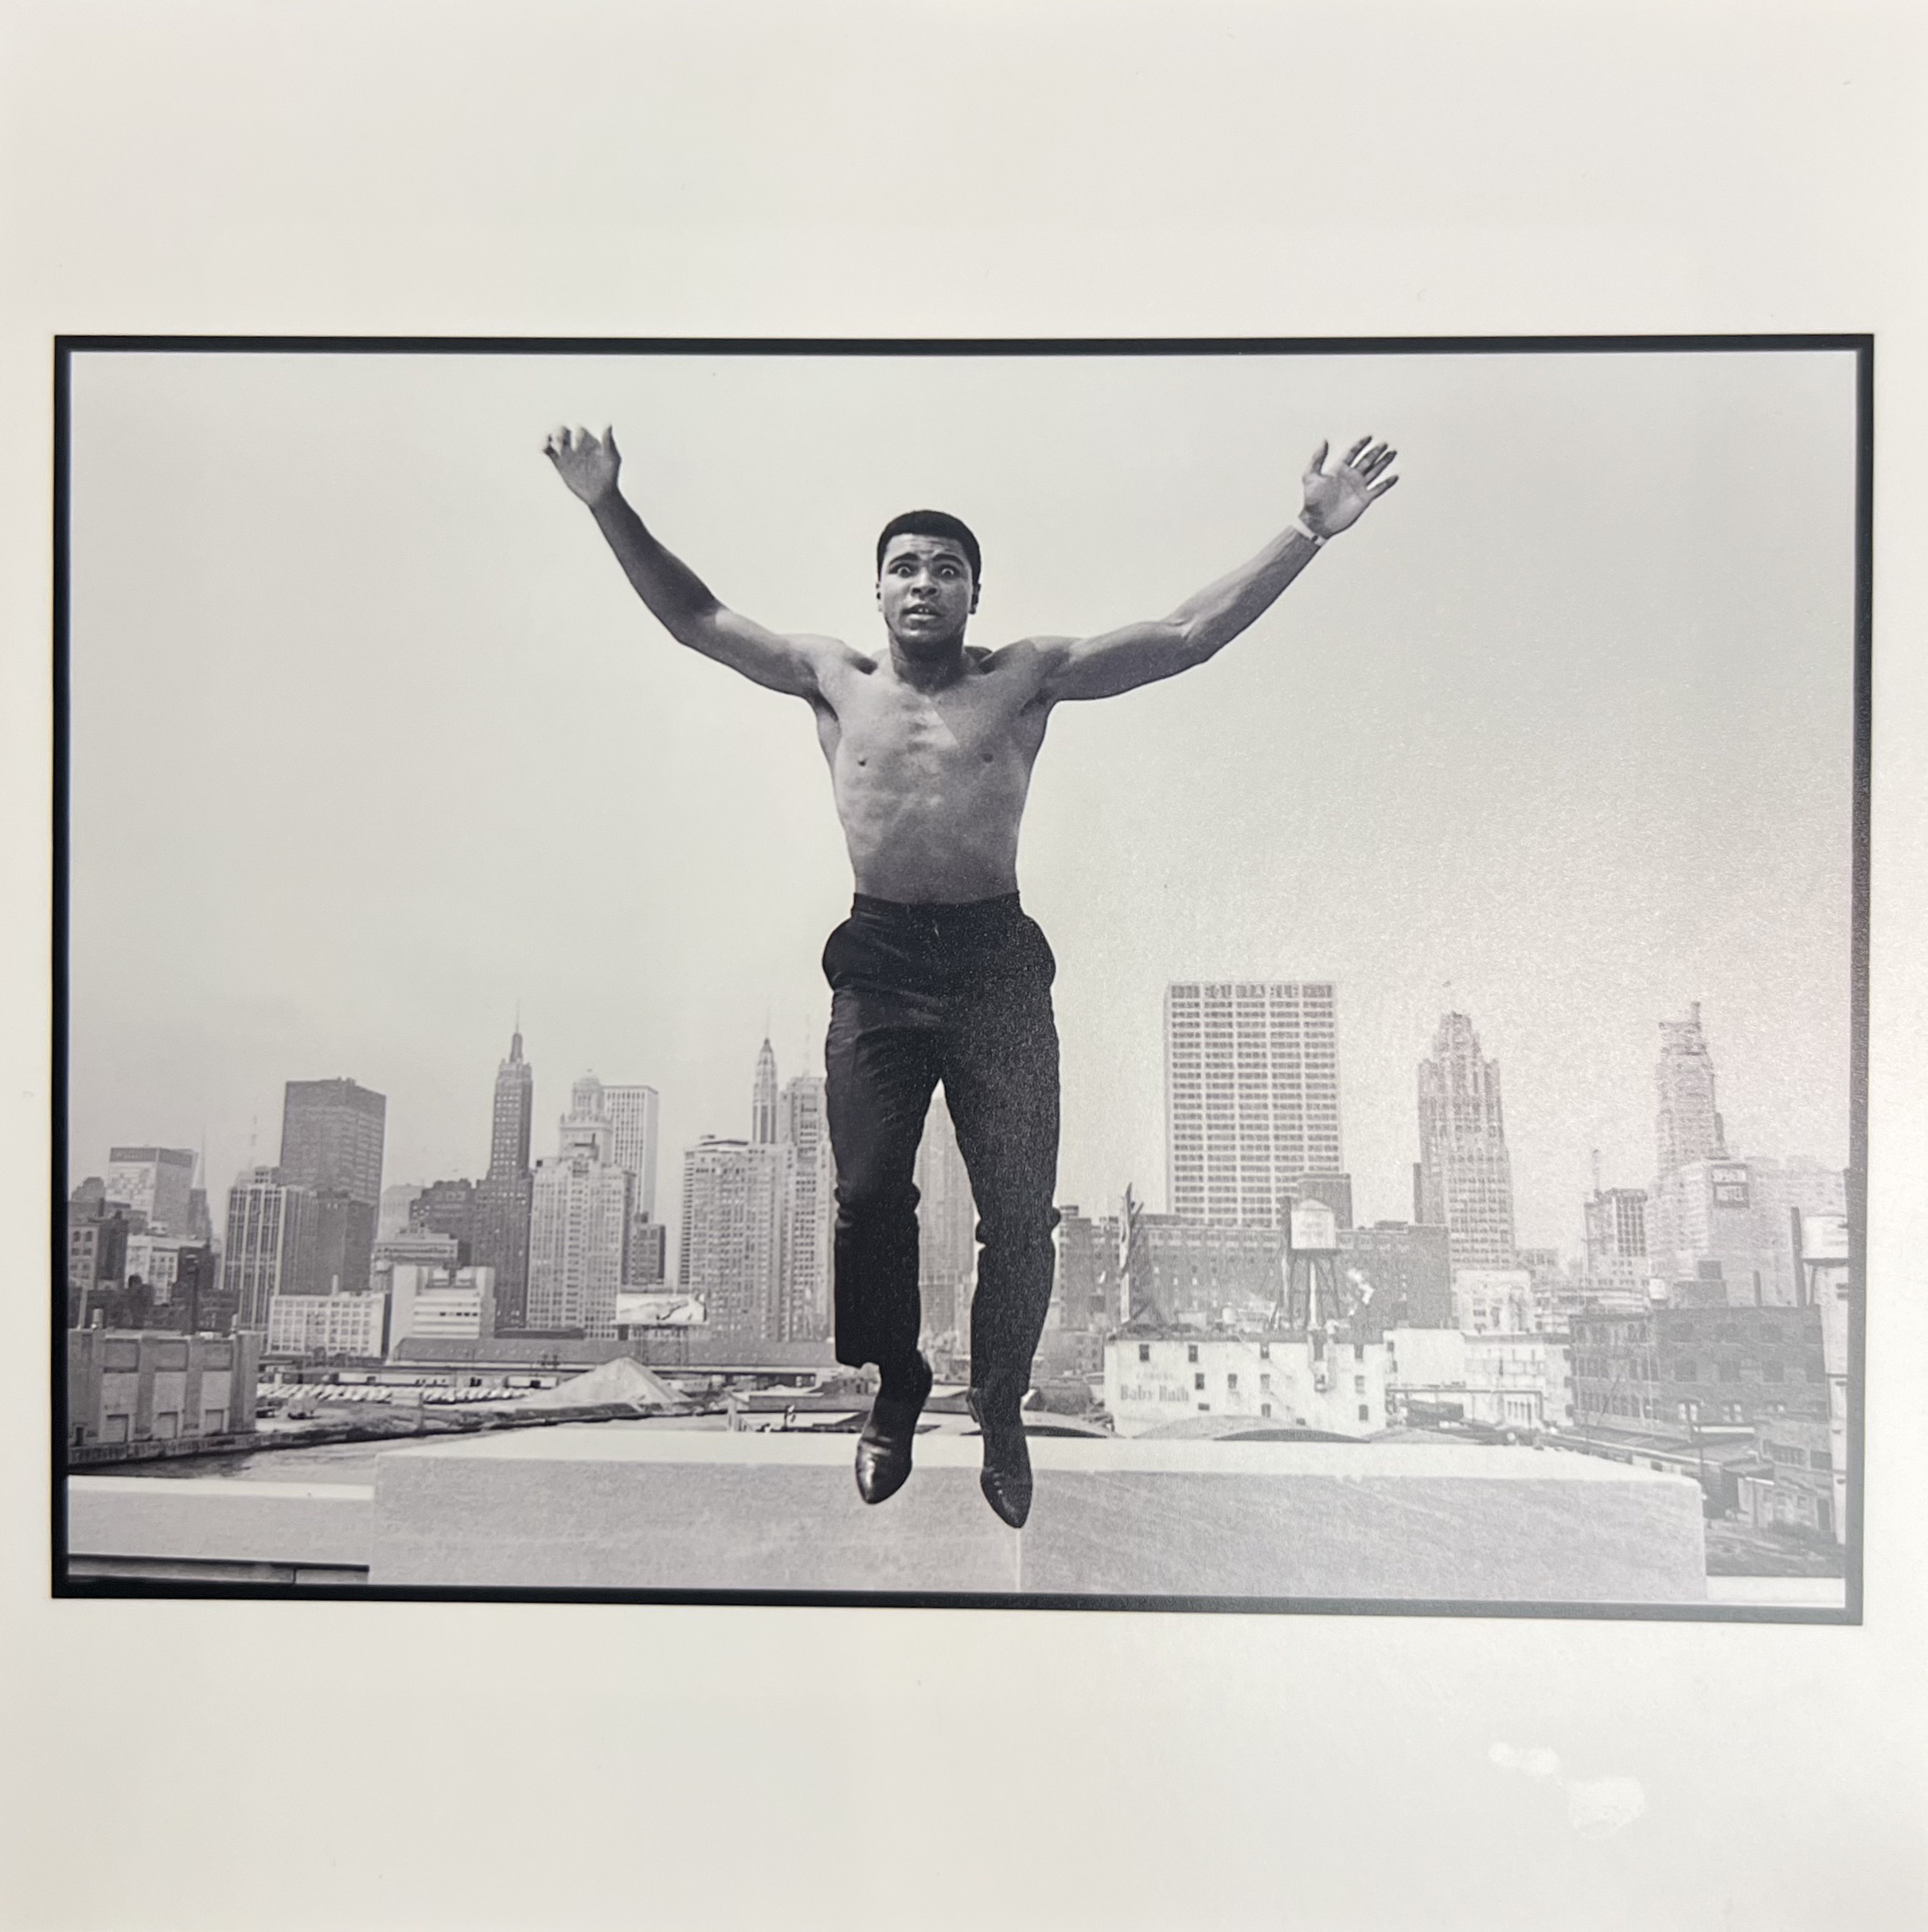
{"x": 938, "y": 975}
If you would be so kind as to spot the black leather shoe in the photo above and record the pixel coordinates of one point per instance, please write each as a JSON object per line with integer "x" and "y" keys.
{"x": 1006, "y": 1478}
{"x": 883, "y": 1448}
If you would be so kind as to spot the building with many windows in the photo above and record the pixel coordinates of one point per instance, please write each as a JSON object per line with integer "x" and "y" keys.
{"x": 581, "y": 1207}
{"x": 331, "y": 1146}
{"x": 1734, "y": 1219}
{"x": 155, "y": 1181}
{"x": 269, "y": 1246}
{"x": 803, "y": 1126}
{"x": 1251, "y": 1095}
{"x": 1465, "y": 1173}
{"x": 504, "y": 1196}
{"x": 1672, "y": 1370}
{"x": 353, "y": 1327}
{"x": 735, "y": 1223}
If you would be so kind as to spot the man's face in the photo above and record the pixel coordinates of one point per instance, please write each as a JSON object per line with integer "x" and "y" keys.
{"x": 925, "y": 593}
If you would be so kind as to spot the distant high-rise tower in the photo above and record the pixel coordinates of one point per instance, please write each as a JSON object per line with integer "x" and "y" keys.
{"x": 946, "y": 1228}
{"x": 586, "y": 1127}
{"x": 578, "y": 1242}
{"x": 1251, "y": 1095}
{"x": 804, "y": 1126}
{"x": 1465, "y": 1175}
{"x": 1617, "y": 1236}
{"x": 158, "y": 1180}
{"x": 331, "y": 1144}
{"x": 505, "y": 1196}
{"x": 735, "y": 1230}
{"x": 631, "y": 1112}
{"x": 763, "y": 1099}
{"x": 268, "y": 1247}
{"x": 1686, "y": 1126}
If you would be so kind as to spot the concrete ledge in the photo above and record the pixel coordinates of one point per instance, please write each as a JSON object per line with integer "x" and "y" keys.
{"x": 597, "y": 1508}
{"x": 212, "y": 1521}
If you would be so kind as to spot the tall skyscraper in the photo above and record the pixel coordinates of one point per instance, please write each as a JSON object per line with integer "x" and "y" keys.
{"x": 735, "y": 1194}
{"x": 631, "y": 1112}
{"x": 505, "y": 1196}
{"x": 270, "y": 1239}
{"x": 586, "y": 1127}
{"x": 763, "y": 1099}
{"x": 331, "y": 1145}
{"x": 156, "y": 1180}
{"x": 803, "y": 1125}
{"x": 946, "y": 1228}
{"x": 1465, "y": 1175}
{"x": 1686, "y": 1126}
{"x": 580, "y": 1222}
{"x": 1251, "y": 1095}
{"x": 578, "y": 1243}
{"x": 1617, "y": 1237}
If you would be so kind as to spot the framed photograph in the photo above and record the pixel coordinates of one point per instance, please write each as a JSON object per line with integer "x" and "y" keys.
{"x": 1391, "y": 1138}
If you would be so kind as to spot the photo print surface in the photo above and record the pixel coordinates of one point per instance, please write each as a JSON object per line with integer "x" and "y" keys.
{"x": 1439, "y": 904}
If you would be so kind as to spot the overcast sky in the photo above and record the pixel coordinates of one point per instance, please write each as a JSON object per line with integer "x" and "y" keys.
{"x": 371, "y": 740}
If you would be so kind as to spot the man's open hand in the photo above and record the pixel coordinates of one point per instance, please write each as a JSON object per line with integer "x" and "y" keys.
{"x": 587, "y": 465}
{"x": 1335, "y": 501}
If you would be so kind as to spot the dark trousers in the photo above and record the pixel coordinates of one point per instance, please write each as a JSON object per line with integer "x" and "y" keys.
{"x": 960, "y": 995}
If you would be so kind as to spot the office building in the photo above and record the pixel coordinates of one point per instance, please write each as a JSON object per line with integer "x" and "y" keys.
{"x": 763, "y": 1099}
{"x": 448, "y": 1208}
{"x": 396, "y": 1200}
{"x": 579, "y": 1230}
{"x": 1465, "y": 1174}
{"x": 345, "y": 1327}
{"x": 1251, "y": 1095}
{"x": 440, "y": 1304}
{"x": 1197, "y": 1272}
{"x": 156, "y": 1181}
{"x": 1687, "y": 1127}
{"x": 803, "y": 1126}
{"x": 1672, "y": 1371}
{"x": 1617, "y": 1237}
{"x": 631, "y": 1112}
{"x": 947, "y": 1229}
{"x": 736, "y": 1197}
{"x": 331, "y": 1146}
{"x": 269, "y": 1246}
{"x": 505, "y": 1196}
{"x": 98, "y": 1231}
{"x": 1729, "y": 1218}
{"x": 649, "y": 1253}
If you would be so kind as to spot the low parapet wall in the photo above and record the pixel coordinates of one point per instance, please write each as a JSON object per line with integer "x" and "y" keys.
{"x": 593, "y": 1508}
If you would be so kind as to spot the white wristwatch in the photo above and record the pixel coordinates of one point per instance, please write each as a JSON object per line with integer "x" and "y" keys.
{"x": 1306, "y": 531}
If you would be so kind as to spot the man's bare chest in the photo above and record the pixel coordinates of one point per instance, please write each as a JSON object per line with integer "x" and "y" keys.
{"x": 883, "y": 723}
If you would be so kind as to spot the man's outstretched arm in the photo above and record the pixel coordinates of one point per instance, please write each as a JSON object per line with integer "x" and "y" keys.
{"x": 677, "y": 598}
{"x": 1135, "y": 655}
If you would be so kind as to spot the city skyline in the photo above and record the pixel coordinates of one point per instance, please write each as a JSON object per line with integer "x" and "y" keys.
{"x": 1460, "y": 748}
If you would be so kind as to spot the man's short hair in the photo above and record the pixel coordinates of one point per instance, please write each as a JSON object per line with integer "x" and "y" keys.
{"x": 933, "y": 523}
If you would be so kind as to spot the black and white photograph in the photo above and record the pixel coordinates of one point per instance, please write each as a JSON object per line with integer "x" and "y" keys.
{"x": 962, "y": 965}
{"x": 933, "y": 975}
